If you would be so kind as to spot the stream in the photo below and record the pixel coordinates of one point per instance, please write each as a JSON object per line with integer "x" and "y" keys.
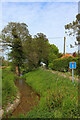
{"x": 28, "y": 98}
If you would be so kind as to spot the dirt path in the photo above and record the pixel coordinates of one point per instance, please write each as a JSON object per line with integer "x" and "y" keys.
{"x": 28, "y": 98}
{"x": 63, "y": 74}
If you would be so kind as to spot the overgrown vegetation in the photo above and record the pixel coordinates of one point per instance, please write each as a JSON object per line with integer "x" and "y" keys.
{"x": 59, "y": 96}
{"x": 0, "y": 87}
{"x": 63, "y": 64}
{"x": 23, "y": 50}
{"x": 9, "y": 89}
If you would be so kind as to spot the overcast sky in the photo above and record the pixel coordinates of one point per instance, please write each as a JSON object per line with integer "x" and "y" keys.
{"x": 45, "y": 17}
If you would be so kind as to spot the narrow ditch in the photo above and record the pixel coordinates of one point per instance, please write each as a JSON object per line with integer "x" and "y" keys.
{"x": 28, "y": 98}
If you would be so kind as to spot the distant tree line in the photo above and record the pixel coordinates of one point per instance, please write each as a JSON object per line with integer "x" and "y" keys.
{"x": 27, "y": 52}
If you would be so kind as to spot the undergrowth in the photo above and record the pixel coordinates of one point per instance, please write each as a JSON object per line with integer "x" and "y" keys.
{"x": 9, "y": 89}
{"x": 59, "y": 96}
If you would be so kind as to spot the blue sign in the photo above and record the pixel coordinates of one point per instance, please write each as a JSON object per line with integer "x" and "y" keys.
{"x": 72, "y": 65}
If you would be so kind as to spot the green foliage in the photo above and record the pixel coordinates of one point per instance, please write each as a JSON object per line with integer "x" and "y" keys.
{"x": 14, "y": 30}
{"x": 59, "y": 96}
{"x": 17, "y": 54}
{"x": 36, "y": 50}
{"x": 53, "y": 51}
{"x": 40, "y": 113}
{"x": 71, "y": 26}
{"x": 0, "y": 86}
{"x": 59, "y": 55}
{"x": 3, "y": 62}
{"x": 14, "y": 35}
{"x": 8, "y": 87}
{"x": 52, "y": 56}
{"x": 25, "y": 49}
{"x": 63, "y": 64}
{"x": 42, "y": 45}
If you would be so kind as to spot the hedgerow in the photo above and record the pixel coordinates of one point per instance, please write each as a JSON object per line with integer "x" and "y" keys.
{"x": 62, "y": 65}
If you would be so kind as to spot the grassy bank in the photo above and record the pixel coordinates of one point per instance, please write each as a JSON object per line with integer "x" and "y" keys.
{"x": 0, "y": 87}
{"x": 9, "y": 89}
{"x": 59, "y": 96}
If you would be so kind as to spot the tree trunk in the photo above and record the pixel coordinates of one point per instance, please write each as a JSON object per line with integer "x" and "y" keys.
{"x": 17, "y": 71}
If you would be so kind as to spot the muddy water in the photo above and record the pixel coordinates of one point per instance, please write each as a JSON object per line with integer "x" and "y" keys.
{"x": 28, "y": 98}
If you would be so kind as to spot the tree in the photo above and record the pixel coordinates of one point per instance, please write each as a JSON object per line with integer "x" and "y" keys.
{"x": 42, "y": 47}
{"x": 14, "y": 35}
{"x": 54, "y": 49}
{"x": 36, "y": 50}
{"x": 74, "y": 29}
{"x": 52, "y": 56}
{"x": 30, "y": 51}
{"x": 17, "y": 54}
{"x": 53, "y": 52}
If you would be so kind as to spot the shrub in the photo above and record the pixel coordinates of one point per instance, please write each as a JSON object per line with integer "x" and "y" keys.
{"x": 63, "y": 64}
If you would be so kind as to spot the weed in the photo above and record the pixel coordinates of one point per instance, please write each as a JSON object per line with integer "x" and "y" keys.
{"x": 58, "y": 98}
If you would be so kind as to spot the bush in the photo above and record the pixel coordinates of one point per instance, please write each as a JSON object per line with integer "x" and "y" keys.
{"x": 51, "y": 57}
{"x": 63, "y": 64}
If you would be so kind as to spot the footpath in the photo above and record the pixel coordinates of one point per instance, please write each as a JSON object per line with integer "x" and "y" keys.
{"x": 63, "y": 74}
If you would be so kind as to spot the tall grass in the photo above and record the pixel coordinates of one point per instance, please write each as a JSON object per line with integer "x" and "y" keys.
{"x": 8, "y": 87}
{"x": 0, "y": 87}
{"x": 59, "y": 96}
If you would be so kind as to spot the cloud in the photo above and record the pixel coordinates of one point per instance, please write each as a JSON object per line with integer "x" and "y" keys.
{"x": 48, "y": 18}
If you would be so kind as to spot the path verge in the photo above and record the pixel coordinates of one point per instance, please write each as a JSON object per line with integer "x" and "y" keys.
{"x": 10, "y": 107}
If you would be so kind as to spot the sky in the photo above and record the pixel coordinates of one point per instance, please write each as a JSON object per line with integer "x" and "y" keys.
{"x": 45, "y": 17}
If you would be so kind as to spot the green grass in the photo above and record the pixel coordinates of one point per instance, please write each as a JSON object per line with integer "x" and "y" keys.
{"x": 59, "y": 96}
{"x": 9, "y": 89}
{"x": 0, "y": 87}
{"x": 68, "y": 74}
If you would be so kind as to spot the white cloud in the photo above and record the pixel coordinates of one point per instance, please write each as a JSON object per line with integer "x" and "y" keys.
{"x": 48, "y": 18}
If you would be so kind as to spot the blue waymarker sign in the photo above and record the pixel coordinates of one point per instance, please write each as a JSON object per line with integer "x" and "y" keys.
{"x": 72, "y": 65}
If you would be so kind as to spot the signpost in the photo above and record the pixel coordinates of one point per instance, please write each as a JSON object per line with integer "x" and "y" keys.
{"x": 72, "y": 66}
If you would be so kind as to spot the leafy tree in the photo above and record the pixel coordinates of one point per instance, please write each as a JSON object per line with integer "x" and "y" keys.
{"x": 42, "y": 48}
{"x": 74, "y": 29}
{"x": 52, "y": 56}
{"x": 17, "y": 55}
{"x": 39, "y": 50}
{"x": 53, "y": 51}
{"x": 14, "y": 35}
{"x": 30, "y": 51}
